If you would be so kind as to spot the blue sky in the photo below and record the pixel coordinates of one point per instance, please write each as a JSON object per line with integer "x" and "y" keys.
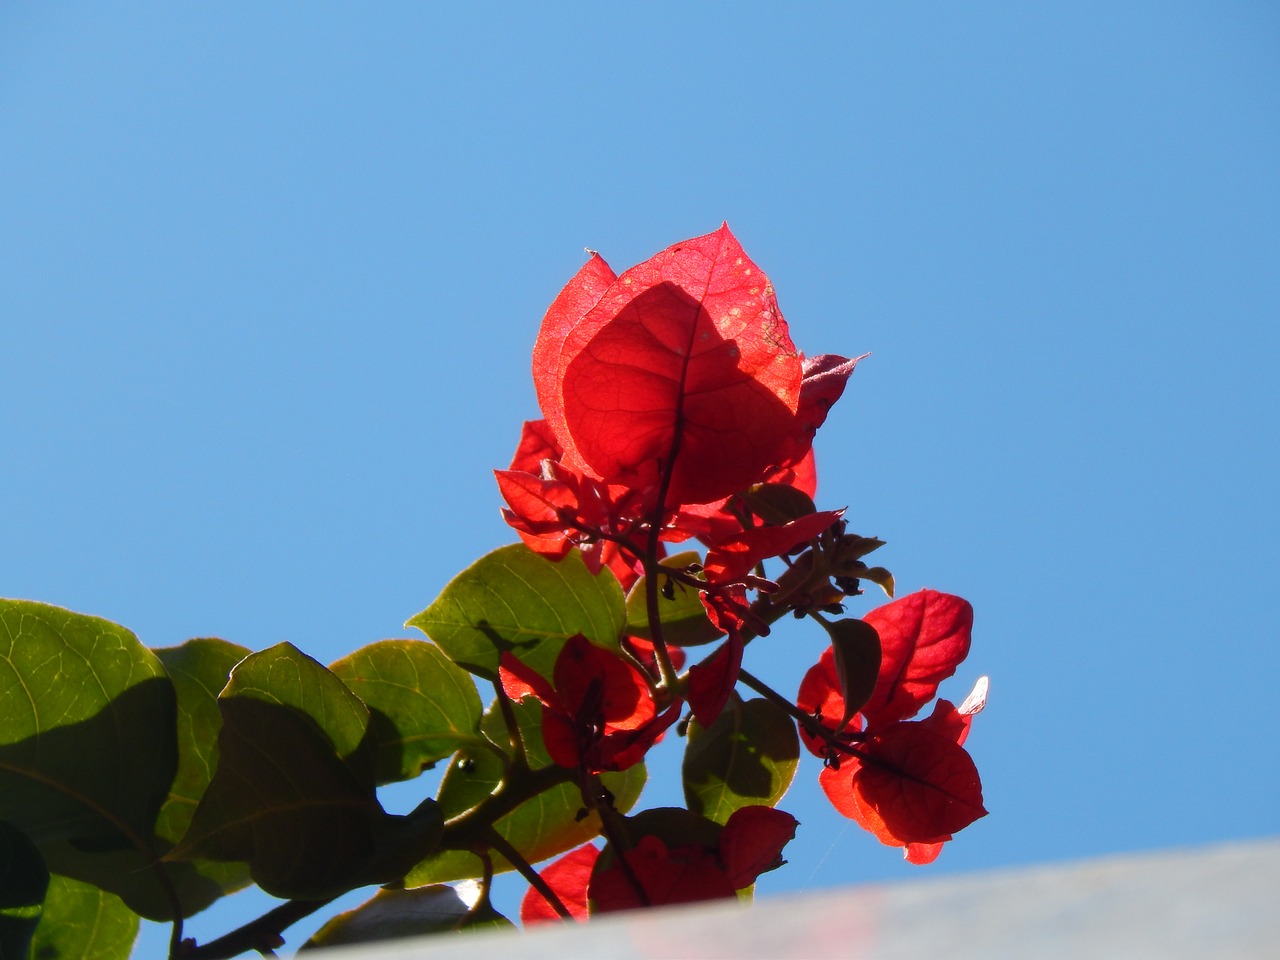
{"x": 270, "y": 276}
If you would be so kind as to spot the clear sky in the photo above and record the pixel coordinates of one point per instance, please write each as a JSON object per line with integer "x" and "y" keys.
{"x": 270, "y": 275}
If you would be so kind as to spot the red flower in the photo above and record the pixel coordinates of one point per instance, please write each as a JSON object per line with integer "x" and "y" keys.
{"x": 598, "y": 714}
{"x": 568, "y": 877}
{"x": 749, "y": 844}
{"x": 910, "y": 783}
{"x": 681, "y": 369}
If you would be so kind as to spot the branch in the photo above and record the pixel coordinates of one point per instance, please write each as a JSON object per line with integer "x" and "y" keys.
{"x": 514, "y": 857}
{"x": 263, "y": 934}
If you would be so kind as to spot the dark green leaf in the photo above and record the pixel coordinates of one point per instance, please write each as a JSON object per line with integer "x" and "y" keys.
{"x": 199, "y": 670}
{"x": 539, "y": 828}
{"x": 23, "y": 883}
{"x": 81, "y": 922}
{"x": 286, "y": 676}
{"x": 855, "y": 646}
{"x": 684, "y": 619}
{"x": 513, "y": 599}
{"x": 292, "y": 795}
{"x": 747, "y": 756}
{"x": 88, "y": 747}
{"x": 87, "y": 743}
{"x": 778, "y": 503}
{"x": 390, "y": 914}
{"x": 422, "y": 707}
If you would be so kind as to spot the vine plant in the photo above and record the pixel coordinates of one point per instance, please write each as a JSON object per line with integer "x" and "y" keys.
{"x": 675, "y": 412}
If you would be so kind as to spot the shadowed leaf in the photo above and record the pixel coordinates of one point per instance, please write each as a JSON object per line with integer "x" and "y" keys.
{"x": 683, "y": 617}
{"x": 24, "y": 881}
{"x": 855, "y": 651}
{"x": 199, "y": 670}
{"x": 747, "y": 757}
{"x": 539, "y": 828}
{"x": 292, "y": 795}
{"x": 87, "y": 746}
{"x": 422, "y": 707}
{"x": 87, "y": 749}
{"x": 513, "y": 599}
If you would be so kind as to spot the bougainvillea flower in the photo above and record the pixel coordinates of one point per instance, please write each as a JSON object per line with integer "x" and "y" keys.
{"x": 911, "y": 783}
{"x": 823, "y": 383}
{"x": 568, "y": 877}
{"x": 643, "y": 651}
{"x": 924, "y": 636}
{"x": 597, "y": 714}
{"x": 750, "y": 843}
{"x": 712, "y": 679}
{"x": 680, "y": 368}
{"x": 555, "y": 507}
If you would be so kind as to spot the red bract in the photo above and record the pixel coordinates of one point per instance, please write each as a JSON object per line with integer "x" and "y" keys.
{"x": 683, "y": 366}
{"x": 923, "y": 638}
{"x": 908, "y": 782}
{"x": 732, "y": 558}
{"x": 713, "y": 679}
{"x": 568, "y": 878}
{"x": 823, "y": 384}
{"x": 686, "y": 874}
{"x": 750, "y": 844}
{"x": 598, "y": 714}
{"x": 555, "y": 507}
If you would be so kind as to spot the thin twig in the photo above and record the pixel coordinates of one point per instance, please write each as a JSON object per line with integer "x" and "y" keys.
{"x": 525, "y": 869}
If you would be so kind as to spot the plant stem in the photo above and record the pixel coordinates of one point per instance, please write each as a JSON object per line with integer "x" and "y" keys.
{"x": 514, "y": 857}
{"x": 467, "y": 829}
{"x": 602, "y": 802}
{"x": 518, "y": 761}
{"x": 811, "y": 724}
{"x": 262, "y": 934}
{"x": 652, "y": 570}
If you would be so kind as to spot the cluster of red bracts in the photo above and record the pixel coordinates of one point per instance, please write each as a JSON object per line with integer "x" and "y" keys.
{"x": 656, "y": 874}
{"x": 909, "y": 782}
{"x": 667, "y": 393}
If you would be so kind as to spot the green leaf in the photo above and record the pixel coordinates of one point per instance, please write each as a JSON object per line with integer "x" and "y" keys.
{"x": 422, "y": 707}
{"x": 855, "y": 646}
{"x": 199, "y": 670}
{"x": 88, "y": 747}
{"x": 747, "y": 756}
{"x": 539, "y": 828}
{"x": 87, "y": 743}
{"x": 777, "y": 503}
{"x": 293, "y": 796}
{"x": 286, "y": 676}
{"x": 390, "y": 914}
{"x": 23, "y": 883}
{"x": 513, "y": 599}
{"x": 684, "y": 619}
{"x": 81, "y": 922}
